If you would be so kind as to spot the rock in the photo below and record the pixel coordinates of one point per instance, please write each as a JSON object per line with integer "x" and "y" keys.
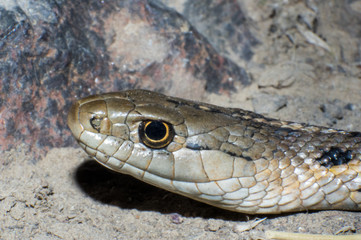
{"x": 55, "y": 52}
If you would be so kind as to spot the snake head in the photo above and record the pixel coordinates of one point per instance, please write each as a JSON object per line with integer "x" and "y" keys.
{"x": 133, "y": 127}
{"x": 138, "y": 132}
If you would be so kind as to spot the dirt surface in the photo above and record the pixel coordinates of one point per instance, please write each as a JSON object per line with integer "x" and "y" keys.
{"x": 305, "y": 68}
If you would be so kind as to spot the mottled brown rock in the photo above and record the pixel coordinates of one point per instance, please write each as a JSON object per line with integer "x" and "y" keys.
{"x": 55, "y": 52}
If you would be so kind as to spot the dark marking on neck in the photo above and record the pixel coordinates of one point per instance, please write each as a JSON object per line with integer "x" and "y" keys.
{"x": 334, "y": 157}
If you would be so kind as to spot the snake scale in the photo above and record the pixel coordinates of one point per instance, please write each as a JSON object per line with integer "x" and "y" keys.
{"x": 227, "y": 157}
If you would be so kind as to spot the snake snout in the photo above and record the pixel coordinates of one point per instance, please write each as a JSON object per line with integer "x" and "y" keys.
{"x": 73, "y": 120}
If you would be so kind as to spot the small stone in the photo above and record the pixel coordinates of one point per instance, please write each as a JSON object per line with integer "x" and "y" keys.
{"x": 176, "y": 218}
{"x": 214, "y": 225}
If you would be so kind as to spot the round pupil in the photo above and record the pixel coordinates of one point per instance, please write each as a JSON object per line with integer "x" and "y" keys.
{"x": 156, "y": 130}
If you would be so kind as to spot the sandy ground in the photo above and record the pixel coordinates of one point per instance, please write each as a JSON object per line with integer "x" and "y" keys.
{"x": 65, "y": 195}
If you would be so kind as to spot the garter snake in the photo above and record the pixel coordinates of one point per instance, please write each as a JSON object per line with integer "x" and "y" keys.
{"x": 227, "y": 157}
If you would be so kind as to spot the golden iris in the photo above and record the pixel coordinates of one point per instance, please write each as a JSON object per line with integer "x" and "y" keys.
{"x": 156, "y": 134}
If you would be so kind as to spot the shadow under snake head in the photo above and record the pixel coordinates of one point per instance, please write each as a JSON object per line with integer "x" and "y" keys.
{"x": 229, "y": 158}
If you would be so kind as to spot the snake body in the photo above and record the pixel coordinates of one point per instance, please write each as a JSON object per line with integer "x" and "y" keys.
{"x": 230, "y": 158}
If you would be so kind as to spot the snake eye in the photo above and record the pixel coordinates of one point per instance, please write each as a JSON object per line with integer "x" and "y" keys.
{"x": 156, "y": 134}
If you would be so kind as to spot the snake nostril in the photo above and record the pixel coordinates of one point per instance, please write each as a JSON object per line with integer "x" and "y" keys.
{"x": 95, "y": 122}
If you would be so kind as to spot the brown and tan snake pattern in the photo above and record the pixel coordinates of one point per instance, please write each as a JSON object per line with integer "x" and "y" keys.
{"x": 230, "y": 158}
